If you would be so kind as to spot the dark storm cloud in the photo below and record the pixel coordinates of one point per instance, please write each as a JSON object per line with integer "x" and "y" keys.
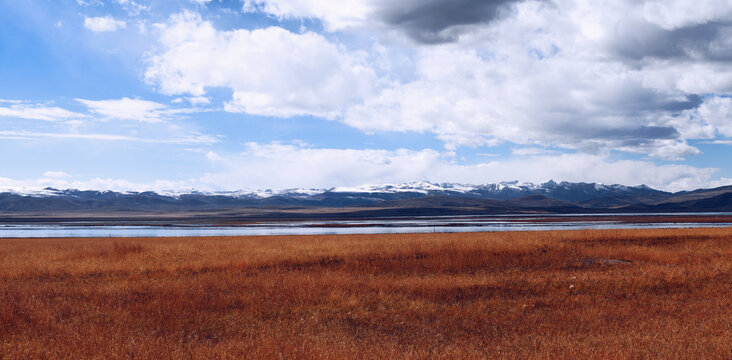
{"x": 642, "y": 132}
{"x": 438, "y": 21}
{"x": 628, "y": 135}
{"x": 636, "y": 41}
{"x": 692, "y": 102}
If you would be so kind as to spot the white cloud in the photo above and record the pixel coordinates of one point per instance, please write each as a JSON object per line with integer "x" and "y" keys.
{"x": 718, "y": 142}
{"x": 432, "y": 21}
{"x": 554, "y": 75}
{"x": 271, "y": 71}
{"x": 199, "y": 100}
{"x": 103, "y": 24}
{"x": 89, "y": 2}
{"x": 25, "y": 110}
{"x": 466, "y": 99}
{"x": 673, "y": 14}
{"x": 277, "y": 165}
{"x": 301, "y": 166}
{"x": 132, "y": 7}
{"x": 213, "y": 157}
{"x": 623, "y": 75}
{"x": 182, "y": 140}
{"x": 133, "y": 109}
{"x": 531, "y": 151}
{"x": 717, "y": 111}
{"x": 337, "y": 15}
{"x": 280, "y": 166}
{"x": 668, "y": 149}
{"x": 61, "y": 124}
{"x": 56, "y": 175}
{"x": 98, "y": 183}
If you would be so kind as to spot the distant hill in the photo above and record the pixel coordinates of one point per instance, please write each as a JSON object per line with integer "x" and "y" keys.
{"x": 416, "y": 198}
{"x": 700, "y": 194}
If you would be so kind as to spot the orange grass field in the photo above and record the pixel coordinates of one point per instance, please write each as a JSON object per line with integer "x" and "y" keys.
{"x": 613, "y": 294}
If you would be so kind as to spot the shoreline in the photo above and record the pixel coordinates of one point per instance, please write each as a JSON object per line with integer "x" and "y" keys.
{"x": 415, "y": 225}
{"x": 467, "y": 234}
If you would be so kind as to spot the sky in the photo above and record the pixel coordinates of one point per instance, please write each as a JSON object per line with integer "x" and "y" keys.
{"x": 221, "y": 95}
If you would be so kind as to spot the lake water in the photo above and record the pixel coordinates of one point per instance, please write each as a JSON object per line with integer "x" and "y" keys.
{"x": 378, "y": 226}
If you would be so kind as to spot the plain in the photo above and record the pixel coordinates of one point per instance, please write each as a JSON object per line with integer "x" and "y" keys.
{"x": 545, "y": 295}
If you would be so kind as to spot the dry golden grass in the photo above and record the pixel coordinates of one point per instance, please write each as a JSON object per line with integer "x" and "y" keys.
{"x": 545, "y": 295}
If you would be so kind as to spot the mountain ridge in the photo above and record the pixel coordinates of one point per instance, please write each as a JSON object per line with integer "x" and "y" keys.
{"x": 550, "y": 196}
{"x": 424, "y": 187}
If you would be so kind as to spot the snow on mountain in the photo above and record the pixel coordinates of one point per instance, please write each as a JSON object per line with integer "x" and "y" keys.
{"x": 423, "y": 187}
{"x": 587, "y": 195}
{"x": 33, "y": 192}
{"x": 503, "y": 190}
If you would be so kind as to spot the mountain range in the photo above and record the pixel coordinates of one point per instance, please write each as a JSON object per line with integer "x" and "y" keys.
{"x": 383, "y": 200}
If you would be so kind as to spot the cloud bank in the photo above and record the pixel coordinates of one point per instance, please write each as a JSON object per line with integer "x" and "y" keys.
{"x": 628, "y": 76}
{"x": 270, "y": 71}
{"x": 283, "y": 166}
{"x": 627, "y": 91}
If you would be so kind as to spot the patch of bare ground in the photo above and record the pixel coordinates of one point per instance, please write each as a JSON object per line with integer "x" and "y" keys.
{"x": 544, "y": 295}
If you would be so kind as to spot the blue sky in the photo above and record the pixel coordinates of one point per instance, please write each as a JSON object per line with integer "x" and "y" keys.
{"x": 255, "y": 94}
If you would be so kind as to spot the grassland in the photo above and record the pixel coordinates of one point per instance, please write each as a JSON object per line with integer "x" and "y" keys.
{"x": 546, "y": 295}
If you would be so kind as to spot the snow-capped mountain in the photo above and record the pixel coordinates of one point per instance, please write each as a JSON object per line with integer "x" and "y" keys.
{"x": 498, "y": 190}
{"x": 590, "y": 195}
{"x": 509, "y": 196}
{"x": 565, "y": 191}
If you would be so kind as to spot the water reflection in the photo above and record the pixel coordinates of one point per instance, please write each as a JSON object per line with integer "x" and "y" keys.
{"x": 376, "y": 226}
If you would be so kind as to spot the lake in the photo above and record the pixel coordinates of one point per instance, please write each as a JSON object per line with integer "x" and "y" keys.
{"x": 374, "y": 226}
